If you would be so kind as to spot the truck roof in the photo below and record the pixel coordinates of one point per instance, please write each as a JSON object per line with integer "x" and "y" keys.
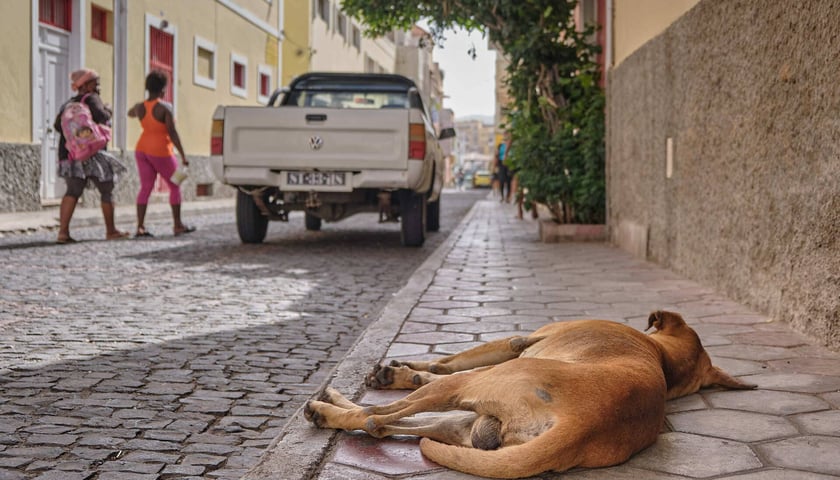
{"x": 380, "y": 82}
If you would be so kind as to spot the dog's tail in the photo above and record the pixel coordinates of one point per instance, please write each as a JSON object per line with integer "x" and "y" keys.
{"x": 548, "y": 451}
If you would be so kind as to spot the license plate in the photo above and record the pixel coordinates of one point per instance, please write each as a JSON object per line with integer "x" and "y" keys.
{"x": 320, "y": 179}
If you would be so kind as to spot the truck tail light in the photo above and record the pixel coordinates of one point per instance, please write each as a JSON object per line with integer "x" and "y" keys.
{"x": 417, "y": 141}
{"x": 217, "y": 137}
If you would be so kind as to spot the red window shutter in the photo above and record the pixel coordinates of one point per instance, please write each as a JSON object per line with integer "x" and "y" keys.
{"x": 265, "y": 84}
{"x": 162, "y": 57}
{"x": 98, "y": 23}
{"x": 58, "y": 13}
{"x": 239, "y": 75}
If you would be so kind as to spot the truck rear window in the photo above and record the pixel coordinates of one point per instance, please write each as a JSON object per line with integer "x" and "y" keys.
{"x": 347, "y": 99}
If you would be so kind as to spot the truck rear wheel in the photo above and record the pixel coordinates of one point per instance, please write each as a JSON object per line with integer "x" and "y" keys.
{"x": 313, "y": 223}
{"x": 433, "y": 216}
{"x": 412, "y": 219}
{"x": 250, "y": 222}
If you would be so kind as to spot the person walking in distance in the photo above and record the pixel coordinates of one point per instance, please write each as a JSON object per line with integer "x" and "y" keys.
{"x": 80, "y": 167}
{"x": 154, "y": 152}
{"x": 502, "y": 168}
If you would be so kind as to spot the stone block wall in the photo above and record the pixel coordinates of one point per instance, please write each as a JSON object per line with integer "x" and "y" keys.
{"x": 129, "y": 185}
{"x": 747, "y": 91}
{"x": 20, "y": 176}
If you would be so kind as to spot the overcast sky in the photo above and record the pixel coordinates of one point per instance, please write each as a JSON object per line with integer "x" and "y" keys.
{"x": 468, "y": 83}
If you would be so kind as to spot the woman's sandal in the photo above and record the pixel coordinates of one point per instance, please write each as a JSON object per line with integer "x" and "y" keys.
{"x": 66, "y": 240}
{"x": 142, "y": 232}
{"x": 117, "y": 235}
{"x": 185, "y": 230}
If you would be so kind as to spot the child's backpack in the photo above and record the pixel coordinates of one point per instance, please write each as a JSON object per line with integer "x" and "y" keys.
{"x": 83, "y": 136}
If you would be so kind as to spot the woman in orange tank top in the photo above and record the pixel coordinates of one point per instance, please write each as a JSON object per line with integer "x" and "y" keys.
{"x": 154, "y": 152}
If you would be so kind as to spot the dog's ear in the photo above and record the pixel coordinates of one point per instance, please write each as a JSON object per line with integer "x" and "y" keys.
{"x": 661, "y": 320}
{"x": 655, "y": 320}
{"x": 716, "y": 376}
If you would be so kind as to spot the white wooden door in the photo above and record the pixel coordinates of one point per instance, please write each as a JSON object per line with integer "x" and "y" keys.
{"x": 54, "y": 90}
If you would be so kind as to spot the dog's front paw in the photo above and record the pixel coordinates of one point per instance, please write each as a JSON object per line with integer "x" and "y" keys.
{"x": 380, "y": 377}
{"x": 328, "y": 395}
{"x": 312, "y": 415}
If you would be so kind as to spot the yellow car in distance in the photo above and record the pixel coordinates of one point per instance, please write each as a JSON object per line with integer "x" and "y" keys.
{"x": 482, "y": 179}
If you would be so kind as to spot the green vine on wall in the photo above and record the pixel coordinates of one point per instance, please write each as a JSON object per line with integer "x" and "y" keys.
{"x": 557, "y": 114}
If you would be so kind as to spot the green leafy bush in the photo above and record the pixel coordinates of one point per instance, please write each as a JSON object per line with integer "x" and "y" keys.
{"x": 557, "y": 115}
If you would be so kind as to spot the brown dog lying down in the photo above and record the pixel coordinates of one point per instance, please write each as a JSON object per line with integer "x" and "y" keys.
{"x": 586, "y": 393}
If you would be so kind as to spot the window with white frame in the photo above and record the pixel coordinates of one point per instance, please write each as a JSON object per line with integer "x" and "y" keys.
{"x": 341, "y": 24}
{"x": 322, "y": 9}
{"x": 264, "y": 81}
{"x": 238, "y": 75}
{"x": 356, "y": 37}
{"x": 204, "y": 63}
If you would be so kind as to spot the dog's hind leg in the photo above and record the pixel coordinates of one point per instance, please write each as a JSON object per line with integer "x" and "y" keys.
{"x": 333, "y": 410}
{"x": 453, "y": 428}
{"x": 467, "y": 429}
{"x": 439, "y": 396}
{"x": 444, "y": 394}
{"x": 414, "y": 374}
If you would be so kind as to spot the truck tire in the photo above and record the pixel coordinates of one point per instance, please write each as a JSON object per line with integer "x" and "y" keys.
{"x": 250, "y": 222}
{"x": 313, "y": 223}
{"x": 433, "y": 216}
{"x": 412, "y": 219}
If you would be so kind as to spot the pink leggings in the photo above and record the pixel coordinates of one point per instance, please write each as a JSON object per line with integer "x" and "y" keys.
{"x": 149, "y": 167}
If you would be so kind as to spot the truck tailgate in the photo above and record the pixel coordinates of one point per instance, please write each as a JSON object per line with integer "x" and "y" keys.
{"x": 285, "y": 138}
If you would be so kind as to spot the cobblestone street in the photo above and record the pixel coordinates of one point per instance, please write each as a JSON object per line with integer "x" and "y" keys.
{"x": 179, "y": 357}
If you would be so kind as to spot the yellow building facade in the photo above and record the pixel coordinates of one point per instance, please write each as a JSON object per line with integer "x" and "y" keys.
{"x": 631, "y": 23}
{"x": 215, "y": 51}
{"x": 15, "y": 50}
{"x": 297, "y": 51}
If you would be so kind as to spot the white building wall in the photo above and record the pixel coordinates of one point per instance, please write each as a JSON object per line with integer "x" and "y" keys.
{"x": 415, "y": 62}
{"x": 346, "y": 50}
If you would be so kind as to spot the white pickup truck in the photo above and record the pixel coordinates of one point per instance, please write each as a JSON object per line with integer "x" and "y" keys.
{"x": 336, "y": 145}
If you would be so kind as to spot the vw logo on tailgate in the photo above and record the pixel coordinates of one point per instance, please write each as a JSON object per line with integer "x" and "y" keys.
{"x": 316, "y": 142}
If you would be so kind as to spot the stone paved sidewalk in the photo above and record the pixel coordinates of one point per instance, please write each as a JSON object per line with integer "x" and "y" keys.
{"x": 494, "y": 279}
{"x": 124, "y": 214}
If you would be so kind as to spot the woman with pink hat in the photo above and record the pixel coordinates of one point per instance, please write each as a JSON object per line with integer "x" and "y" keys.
{"x": 100, "y": 170}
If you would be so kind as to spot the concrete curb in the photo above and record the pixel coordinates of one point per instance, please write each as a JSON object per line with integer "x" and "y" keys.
{"x": 300, "y": 449}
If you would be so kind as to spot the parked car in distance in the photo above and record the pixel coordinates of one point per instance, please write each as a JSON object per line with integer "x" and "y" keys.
{"x": 482, "y": 179}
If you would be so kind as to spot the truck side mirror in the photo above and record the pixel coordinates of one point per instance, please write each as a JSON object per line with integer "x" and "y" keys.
{"x": 446, "y": 133}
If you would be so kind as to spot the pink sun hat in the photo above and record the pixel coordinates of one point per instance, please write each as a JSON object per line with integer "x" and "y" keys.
{"x": 81, "y": 77}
